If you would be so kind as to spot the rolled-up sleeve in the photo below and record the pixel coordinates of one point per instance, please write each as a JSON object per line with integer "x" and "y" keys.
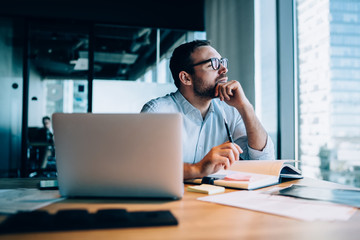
{"x": 266, "y": 154}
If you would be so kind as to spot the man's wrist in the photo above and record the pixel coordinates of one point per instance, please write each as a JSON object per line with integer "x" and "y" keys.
{"x": 191, "y": 171}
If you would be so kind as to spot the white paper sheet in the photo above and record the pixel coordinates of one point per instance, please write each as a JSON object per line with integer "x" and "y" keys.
{"x": 26, "y": 199}
{"x": 306, "y": 210}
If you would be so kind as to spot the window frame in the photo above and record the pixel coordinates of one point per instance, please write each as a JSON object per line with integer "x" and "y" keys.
{"x": 287, "y": 81}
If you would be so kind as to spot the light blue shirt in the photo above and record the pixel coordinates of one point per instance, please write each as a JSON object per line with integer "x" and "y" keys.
{"x": 200, "y": 135}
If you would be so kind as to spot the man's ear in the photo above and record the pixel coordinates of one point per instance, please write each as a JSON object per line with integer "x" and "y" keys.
{"x": 185, "y": 78}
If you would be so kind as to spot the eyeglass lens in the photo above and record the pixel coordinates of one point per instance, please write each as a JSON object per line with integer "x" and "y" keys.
{"x": 215, "y": 62}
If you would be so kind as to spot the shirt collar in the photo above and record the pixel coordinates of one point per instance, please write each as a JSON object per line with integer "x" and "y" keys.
{"x": 184, "y": 104}
{"x": 188, "y": 107}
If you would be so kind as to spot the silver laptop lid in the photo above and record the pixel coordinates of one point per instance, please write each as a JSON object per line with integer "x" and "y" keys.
{"x": 119, "y": 155}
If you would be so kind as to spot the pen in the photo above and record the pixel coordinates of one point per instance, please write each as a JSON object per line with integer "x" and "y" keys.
{"x": 229, "y": 134}
{"x": 228, "y": 131}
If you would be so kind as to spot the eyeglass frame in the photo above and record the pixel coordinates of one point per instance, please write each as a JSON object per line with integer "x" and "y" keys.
{"x": 221, "y": 61}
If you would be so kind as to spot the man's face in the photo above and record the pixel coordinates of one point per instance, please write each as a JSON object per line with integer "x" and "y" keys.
{"x": 205, "y": 78}
{"x": 47, "y": 123}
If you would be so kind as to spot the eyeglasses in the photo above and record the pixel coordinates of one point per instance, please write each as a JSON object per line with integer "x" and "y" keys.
{"x": 215, "y": 63}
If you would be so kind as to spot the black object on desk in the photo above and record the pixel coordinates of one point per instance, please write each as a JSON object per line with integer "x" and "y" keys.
{"x": 208, "y": 180}
{"x": 81, "y": 219}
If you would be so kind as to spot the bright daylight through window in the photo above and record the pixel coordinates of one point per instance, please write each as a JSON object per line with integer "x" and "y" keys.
{"x": 328, "y": 48}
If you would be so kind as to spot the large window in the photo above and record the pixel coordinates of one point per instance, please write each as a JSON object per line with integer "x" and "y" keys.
{"x": 328, "y": 46}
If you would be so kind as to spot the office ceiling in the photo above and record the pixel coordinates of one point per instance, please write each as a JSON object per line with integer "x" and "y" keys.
{"x": 124, "y": 53}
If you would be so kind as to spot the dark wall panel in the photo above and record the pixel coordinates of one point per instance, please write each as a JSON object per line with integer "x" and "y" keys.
{"x": 174, "y": 14}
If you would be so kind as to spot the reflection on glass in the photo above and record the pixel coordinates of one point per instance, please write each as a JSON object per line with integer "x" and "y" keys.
{"x": 329, "y": 89}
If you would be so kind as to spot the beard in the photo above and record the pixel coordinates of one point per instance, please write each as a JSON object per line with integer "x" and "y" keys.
{"x": 203, "y": 90}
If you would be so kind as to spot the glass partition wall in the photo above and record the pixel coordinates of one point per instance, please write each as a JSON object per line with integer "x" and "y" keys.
{"x": 100, "y": 68}
{"x": 135, "y": 69}
{"x": 11, "y": 91}
{"x": 58, "y": 82}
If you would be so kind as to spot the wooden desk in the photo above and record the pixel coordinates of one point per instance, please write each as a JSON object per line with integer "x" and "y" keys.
{"x": 198, "y": 220}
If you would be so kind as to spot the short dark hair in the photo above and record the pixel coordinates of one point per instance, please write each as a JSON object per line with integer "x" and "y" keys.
{"x": 45, "y": 118}
{"x": 181, "y": 58}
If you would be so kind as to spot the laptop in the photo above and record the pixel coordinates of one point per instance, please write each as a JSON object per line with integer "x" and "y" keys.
{"x": 119, "y": 155}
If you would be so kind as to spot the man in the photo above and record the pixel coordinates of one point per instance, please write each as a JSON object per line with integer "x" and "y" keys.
{"x": 205, "y": 98}
{"x": 46, "y": 151}
{"x": 46, "y": 121}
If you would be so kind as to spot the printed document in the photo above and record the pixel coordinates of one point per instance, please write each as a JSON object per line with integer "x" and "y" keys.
{"x": 26, "y": 199}
{"x": 307, "y": 210}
